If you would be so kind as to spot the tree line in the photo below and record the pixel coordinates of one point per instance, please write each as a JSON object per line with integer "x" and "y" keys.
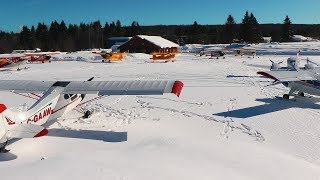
{"x": 72, "y": 37}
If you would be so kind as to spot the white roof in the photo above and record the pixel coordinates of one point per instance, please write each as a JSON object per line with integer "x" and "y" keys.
{"x": 299, "y": 38}
{"x": 159, "y": 41}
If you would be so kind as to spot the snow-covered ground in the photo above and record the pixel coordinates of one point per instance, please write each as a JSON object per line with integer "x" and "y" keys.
{"x": 227, "y": 124}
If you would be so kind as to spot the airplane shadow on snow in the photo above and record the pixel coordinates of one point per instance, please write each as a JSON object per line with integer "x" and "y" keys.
{"x": 272, "y": 105}
{"x": 106, "y": 136}
{"x": 7, "y": 157}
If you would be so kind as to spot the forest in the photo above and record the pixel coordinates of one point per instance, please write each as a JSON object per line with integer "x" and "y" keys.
{"x": 72, "y": 37}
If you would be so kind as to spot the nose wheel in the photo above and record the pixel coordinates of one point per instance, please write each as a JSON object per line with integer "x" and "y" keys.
{"x": 286, "y": 96}
{"x": 301, "y": 94}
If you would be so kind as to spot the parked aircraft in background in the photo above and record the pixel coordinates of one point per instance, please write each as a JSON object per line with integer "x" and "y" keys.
{"x": 213, "y": 53}
{"x": 299, "y": 80}
{"x": 12, "y": 61}
{"x": 41, "y": 56}
{"x": 110, "y": 56}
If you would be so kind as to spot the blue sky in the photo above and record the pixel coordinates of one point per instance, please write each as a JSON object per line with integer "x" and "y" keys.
{"x": 16, "y": 13}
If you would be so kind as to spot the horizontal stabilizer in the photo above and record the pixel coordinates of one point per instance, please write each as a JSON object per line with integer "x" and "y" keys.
{"x": 27, "y": 131}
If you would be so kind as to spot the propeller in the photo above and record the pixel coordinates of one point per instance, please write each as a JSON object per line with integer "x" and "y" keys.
{"x": 275, "y": 66}
{"x": 275, "y": 62}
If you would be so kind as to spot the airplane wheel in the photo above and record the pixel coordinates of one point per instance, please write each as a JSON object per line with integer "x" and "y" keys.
{"x": 301, "y": 94}
{"x": 286, "y": 96}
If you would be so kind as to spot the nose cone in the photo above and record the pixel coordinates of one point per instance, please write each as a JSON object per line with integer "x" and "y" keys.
{"x": 2, "y": 108}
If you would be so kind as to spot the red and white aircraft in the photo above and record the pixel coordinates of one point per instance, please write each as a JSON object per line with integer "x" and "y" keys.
{"x": 41, "y": 56}
{"x": 10, "y": 61}
{"x": 60, "y": 97}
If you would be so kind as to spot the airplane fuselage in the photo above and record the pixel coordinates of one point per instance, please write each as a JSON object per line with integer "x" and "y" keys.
{"x": 52, "y": 105}
{"x": 310, "y": 87}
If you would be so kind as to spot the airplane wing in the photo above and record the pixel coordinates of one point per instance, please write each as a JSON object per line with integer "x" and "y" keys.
{"x": 287, "y": 76}
{"x": 124, "y": 87}
{"x": 10, "y": 56}
{"x": 21, "y": 86}
{"x": 94, "y": 87}
{"x": 42, "y": 53}
{"x": 27, "y": 131}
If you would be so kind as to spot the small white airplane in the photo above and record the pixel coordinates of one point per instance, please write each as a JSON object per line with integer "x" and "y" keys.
{"x": 299, "y": 80}
{"x": 60, "y": 97}
{"x": 213, "y": 53}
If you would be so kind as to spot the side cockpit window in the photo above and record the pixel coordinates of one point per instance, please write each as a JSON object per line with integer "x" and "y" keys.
{"x": 74, "y": 97}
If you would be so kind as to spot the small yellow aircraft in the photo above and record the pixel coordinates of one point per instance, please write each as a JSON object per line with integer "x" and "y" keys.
{"x": 163, "y": 56}
{"x": 112, "y": 56}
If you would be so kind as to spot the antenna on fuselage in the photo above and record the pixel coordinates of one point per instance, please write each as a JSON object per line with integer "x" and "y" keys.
{"x": 297, "y": 64}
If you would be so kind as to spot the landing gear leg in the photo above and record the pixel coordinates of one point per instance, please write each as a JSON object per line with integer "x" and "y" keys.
{"x": 301, "y": 94}
{"x": 291, "y": 93}
{"x": 3, "y": 148}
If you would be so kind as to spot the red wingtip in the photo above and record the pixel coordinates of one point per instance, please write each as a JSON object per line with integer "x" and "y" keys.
{"x": 267, "y": 75}
{"x": 177, "y": 88}
{"x": 42, "y": 133}
{"x": 2, "y": 108}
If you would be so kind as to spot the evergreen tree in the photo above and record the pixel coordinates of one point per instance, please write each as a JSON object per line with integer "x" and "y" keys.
{"x": 71, "y": 38}
{"x": 106, "y": 34}
{"x": 112, "y": 29}
{"x": 42, "y": 37}
{"x": 256, "y": 36}
{"x": 33, "y": 37}
{"x": 25, "y": 38}
{"x": 97, "y": 36}
{"x": 62, "y": 31}
{"x": 118, "y": 30}
{"x": 250, "y": 31}
{"x": 286, "y": 30}
{"x": 230, "y": 30}
{"x": 84, "y": 38}
{"x": 134, "y": 29}
{"x": 245, "y": 25}
{"x": 54, "y": 36}
{"x": 195, "y": 28}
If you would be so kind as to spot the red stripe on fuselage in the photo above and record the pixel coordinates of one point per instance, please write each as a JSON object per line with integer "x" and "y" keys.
{"x": 65, "y": 106}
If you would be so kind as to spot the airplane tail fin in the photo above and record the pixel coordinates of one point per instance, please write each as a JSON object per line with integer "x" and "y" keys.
{"x": 27, "y": 131}
{"x": 14, "y": 129}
